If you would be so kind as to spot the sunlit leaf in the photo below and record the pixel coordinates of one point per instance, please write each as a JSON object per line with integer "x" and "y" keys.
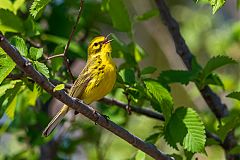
{"x": 160, "y": 97}
{"x": 140, "y": 155}
{"x": 41, "y": 67}
{"x": 6, "y": 4}
{"x": 17, "y": 4}
{"x": 10, "y": 111}
{"x": 9, "y": 91}
{"x": 37, "y": 7}
{"x": 59, "y": 87}
{"x": 6, "y": 65}
{"x": 216, "y": 4}
{"x": 189, "y": 128}
{"x": 20, "y": 44}
{"x": 33, "y": 95}
{"x": 35, "y": 53}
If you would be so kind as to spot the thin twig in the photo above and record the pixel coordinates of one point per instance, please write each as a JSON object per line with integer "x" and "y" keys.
{"x": 75, "y": 104}
{"x": 54, "y": 56}
{"x": 136, "y": 109}
{"x": 69, "y": 40}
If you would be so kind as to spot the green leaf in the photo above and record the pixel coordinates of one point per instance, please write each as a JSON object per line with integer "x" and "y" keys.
{"x": 37, "y": 7}
{"x": 6, "y": 4}
{"x": 234, "y": 95}
{"x": 147, "y": 15}
{"x": 20, "y": 44}
{"x": 235, "y": 150}
{"x": 119, "y": 15}
{"x": 127, "y": 75}
{"x": 34, "y": 94}
{"x": 10, "y": 111}
{"x": 238, "y": 4}
{"x": 30, "y": 27}
{"x": 214, "y": 79}
{"x": 152, "y": 138}
{"x": 35, "y": 53}
{"x": 10, "y": 22}
{"x": 216, "y": 62}
{"x": 59, "y": 87}
{"x": 230, "y": 123}
{"x": 176, "y": 125}
{"x": 160, "y": 97}
{"x": 140, "y": 155}
{"x": 7, "y": 95}
{"x": 185, "y": 127}
{"x": 41, "y": 67}
{"x": 148, "y": 70}
{"x": 6, "y": 65}
{"x": 216, "y": 4}
{"x": 177, "y": 76}
{"x": 17, "y": 4}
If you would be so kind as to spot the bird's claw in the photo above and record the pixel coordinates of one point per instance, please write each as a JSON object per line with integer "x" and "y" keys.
{"x": 97, "y": 116}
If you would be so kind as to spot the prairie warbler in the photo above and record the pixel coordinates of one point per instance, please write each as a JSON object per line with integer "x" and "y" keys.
{"x": 94, "y": 82}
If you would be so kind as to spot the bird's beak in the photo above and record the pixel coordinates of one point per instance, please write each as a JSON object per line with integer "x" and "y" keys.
{"x": 106, "y": 40}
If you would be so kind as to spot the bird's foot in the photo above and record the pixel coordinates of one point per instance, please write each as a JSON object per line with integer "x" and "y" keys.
{"x": 106, "y": 117}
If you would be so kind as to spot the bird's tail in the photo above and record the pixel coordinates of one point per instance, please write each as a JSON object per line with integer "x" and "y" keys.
{"x": 55, "y": 121}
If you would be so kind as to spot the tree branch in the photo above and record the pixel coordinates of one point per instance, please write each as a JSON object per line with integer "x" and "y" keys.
{"x": 75, "y": 104}
{"x": 212, "y": 99}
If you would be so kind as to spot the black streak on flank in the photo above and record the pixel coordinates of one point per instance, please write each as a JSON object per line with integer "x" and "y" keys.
{"x": 102, "y": 67}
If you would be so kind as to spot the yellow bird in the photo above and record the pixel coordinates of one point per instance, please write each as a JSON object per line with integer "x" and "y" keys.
{"x": 94, "y": 82}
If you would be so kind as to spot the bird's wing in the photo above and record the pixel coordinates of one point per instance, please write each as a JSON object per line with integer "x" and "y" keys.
{"x": 83, "y": 79}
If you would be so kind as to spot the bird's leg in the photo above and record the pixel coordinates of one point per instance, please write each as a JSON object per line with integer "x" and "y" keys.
{"x": 97, "y": 116}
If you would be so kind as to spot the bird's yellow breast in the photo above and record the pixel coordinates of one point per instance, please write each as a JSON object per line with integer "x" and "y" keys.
{"x": 102, "y": 83}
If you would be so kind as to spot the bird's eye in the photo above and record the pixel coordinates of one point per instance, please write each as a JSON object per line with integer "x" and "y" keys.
{"x": 95, "y": 44}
